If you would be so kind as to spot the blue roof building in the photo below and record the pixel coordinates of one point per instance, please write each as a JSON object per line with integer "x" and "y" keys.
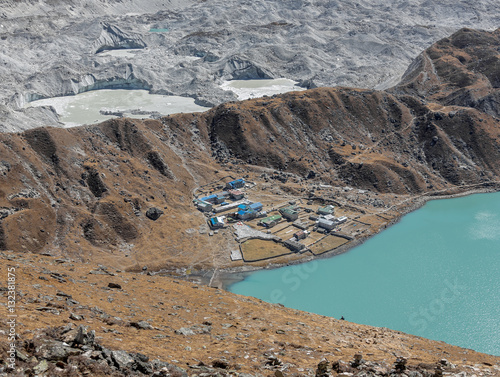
{"x": 256, "y": 206}
{"x": 216, "y": 222}
{"x": 238, "y": 183}
{"x": 246, "y": 214}
{"x": 210, "y": 198}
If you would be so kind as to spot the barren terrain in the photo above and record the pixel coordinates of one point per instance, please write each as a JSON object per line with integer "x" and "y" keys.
{"x": 76, "y": 204}
{"x": 197, "y": 328}
{"x": 84, "y": 192}
{"x": 188, "y": 48}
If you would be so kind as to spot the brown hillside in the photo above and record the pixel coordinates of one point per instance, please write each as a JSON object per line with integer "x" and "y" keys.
{"x": 196, "y": 328}
{"x": 82, "y": 210}
{"x": 84, "y": 192}
{"x": 462, "y": 70}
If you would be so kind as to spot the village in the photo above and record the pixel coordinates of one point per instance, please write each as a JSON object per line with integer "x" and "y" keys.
{"x": 266, "y": 228}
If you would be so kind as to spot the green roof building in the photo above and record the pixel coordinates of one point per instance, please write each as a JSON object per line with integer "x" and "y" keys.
{"x": 202, "y": 205}
{"x": 270, "y": 221}
{"x": 326, "y": 210}
{"x": 290, "y": 213}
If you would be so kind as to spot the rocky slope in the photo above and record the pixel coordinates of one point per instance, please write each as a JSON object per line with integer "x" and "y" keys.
{"x": 78, "y": 319}
{"x": 85, "y": 192}
{"x": 53, "y": 48}
{"x": 119, "y": 193}
{"x": 462, "y": 70}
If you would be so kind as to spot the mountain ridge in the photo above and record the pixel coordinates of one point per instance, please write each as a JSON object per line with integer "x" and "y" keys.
{"x": 91, "y": 186}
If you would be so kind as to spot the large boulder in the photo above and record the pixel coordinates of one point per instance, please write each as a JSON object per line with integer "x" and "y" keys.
{"x": 54, "y": 350}
{"x": 83, "y": 336}
{"x": 122, "y": 359}
{"x": 154, "y": 213}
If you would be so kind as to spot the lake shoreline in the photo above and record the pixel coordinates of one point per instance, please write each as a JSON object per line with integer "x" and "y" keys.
{"x": 224, "y": 278}
{"x": 426, "y": 276}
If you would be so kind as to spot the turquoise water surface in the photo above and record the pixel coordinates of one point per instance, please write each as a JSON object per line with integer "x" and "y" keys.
{"x": 435, "y": 274}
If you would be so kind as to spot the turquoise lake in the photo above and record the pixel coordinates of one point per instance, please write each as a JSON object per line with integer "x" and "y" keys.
{"x": 435, "y": 274}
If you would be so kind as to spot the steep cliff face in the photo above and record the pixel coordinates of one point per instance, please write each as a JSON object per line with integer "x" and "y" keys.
{"x": 112, "y": 38}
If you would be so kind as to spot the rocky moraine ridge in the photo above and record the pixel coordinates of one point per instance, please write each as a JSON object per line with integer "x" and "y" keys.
{"x": 190, "y": 47}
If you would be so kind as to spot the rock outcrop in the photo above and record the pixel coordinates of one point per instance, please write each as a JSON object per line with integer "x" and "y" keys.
{"x": 59, "y": 351}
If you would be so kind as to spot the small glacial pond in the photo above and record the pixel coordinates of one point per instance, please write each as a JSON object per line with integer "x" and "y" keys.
{"x": 88, "y": 107}
{"x": 246, "y": 89}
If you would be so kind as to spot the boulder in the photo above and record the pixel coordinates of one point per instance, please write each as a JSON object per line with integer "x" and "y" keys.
{"x": 144, "y": 368}
{"x": 340, "y": 366}
{"x": 154, "y": 213}
{"x": 322, "y": 370}
{"x": 122, "y": 359}
{"x": 185, "y": 331}
{"x": 221, "y": 364}
{"x": 21, "y": 355}
{"x": 83, "y": 336}
{"x": 140, "y": 357}
{"x": 54, "y": 350}
{"x": 400, "y": 364}
{"x": 41, "y": 367}
{"x": 167, "y": 369}
{"x": 141, "y": 325}
{"x": 357, "y": 361}
{"x": 273, "y": 361}
{"x": 75, "y": 317}
{"x": 195, "y": 329}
